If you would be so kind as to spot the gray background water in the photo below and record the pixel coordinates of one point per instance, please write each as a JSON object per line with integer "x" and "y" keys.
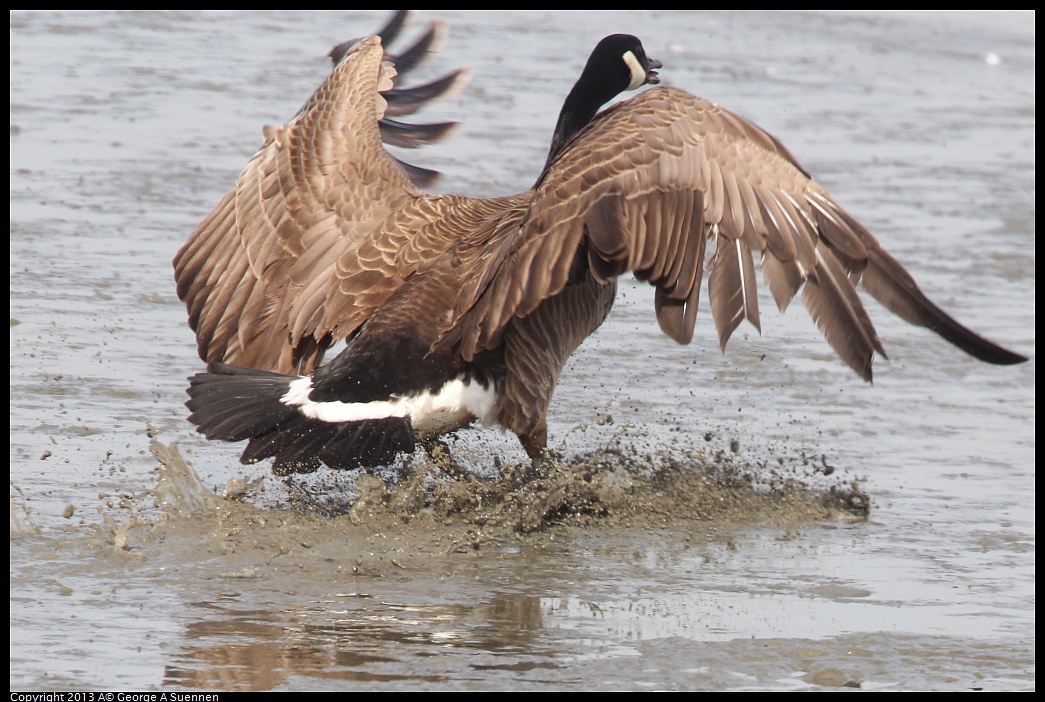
{"x": 126, "y": 128}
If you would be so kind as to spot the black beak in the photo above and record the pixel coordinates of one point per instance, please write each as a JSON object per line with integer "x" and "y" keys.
{"x": 651, "y": 75}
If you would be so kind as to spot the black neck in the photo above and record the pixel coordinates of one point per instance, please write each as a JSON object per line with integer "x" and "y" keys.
{"x": 589, "y": 94}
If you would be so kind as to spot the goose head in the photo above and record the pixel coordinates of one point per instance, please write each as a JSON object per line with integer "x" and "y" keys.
{"x": 617, "y": 64}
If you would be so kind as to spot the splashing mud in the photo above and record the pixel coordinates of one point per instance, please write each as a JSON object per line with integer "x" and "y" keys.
{"x": 442, "y": 506}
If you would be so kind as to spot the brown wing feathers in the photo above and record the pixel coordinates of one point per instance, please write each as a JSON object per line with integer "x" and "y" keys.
{"x": 323, "y": 227}
{"x": 649, "y": 183}
{"x": 731, "y": 287}
{"x": 268, "y": 275}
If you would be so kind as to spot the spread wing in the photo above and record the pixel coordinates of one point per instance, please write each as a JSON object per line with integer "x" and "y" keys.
{"x": 322, "y": 225}
{"x": 649, "y": 185}
{"x": 401, "y": 100}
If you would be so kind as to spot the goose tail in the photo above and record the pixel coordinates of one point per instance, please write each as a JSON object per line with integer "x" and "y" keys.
{"x": 236, "y": 404}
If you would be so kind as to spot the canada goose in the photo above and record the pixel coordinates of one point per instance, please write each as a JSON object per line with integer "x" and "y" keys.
{"x": 456, "y": 309}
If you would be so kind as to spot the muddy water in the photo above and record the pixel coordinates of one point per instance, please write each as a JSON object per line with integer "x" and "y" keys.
{"x": 692, "y": 541}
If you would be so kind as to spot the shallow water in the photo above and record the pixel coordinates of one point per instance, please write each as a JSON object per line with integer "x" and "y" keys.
{"x": 126, "y": 128}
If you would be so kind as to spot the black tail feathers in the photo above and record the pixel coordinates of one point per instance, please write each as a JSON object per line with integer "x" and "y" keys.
{"x": 234, "y": 403}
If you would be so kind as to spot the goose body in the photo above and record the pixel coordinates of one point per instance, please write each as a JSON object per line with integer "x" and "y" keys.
{"x": 458, "y": 309}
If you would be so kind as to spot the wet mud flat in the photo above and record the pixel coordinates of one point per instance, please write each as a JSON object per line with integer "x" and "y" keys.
{"x": 442, "y": 575}
{"x": 336, "y": 575}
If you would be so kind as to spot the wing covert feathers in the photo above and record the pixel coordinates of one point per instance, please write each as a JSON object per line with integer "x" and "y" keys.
{"x": 648, "y": 185}
{"x": 301, "y": 250}
{"x": 324, "y": 226}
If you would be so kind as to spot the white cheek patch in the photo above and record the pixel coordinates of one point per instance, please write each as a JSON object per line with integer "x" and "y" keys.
{"x": 638, "y": 73}
{"x": 455, "y": 404}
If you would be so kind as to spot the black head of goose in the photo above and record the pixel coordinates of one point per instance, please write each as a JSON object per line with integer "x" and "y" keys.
{"x": 458, "y": 309}
{"x": 618, "y": 64}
